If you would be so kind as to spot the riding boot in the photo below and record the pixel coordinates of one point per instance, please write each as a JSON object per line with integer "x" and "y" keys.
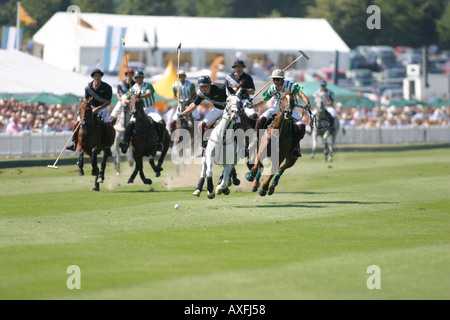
{"x": 161, "y": 135}
{"x": 127, "y": 137}
{"x": 73, "y": 147}
{"x": 300, "y": 131}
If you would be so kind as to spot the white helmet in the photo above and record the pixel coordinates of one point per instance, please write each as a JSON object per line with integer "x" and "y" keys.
{"x": 277, "y": 74}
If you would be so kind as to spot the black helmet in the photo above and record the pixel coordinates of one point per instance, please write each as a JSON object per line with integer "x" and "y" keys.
{"x": 138, "y": 73}
{"x": 238, "y": 63}
{"x": 204, "y": 81}
{"x": 97, "y": 71}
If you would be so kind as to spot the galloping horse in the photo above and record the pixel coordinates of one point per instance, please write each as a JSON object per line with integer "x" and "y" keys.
{"x": 280, "y": 133}
{"x": 221, "y": 149}
{"x": 91, "y": 142}
{"x": 144, "y": 141}
{"x": 326, "y": 126}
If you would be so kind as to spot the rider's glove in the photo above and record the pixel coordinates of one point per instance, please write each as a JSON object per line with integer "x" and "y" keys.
{"x": 248, "y": 103}
{"x": 308, "y": 107}
{"x": 181, "y": 115}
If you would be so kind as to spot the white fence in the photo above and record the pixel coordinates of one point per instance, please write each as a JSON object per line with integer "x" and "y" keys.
{"x": 28, "y": 144}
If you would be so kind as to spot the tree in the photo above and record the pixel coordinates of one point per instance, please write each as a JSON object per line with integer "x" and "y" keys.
{"x": 443, "y": 27}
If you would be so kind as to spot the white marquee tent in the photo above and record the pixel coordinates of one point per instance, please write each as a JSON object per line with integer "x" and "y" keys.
{"x": 25, "y": 74}
{"x": 68, "y": 45}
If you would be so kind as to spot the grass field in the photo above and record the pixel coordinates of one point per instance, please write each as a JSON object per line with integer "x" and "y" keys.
{"x": 313, "y": 239}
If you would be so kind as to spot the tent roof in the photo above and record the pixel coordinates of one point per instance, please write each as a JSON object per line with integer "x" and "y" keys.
{"x": 25, "y": 74}
{"x": 197, "y": 33}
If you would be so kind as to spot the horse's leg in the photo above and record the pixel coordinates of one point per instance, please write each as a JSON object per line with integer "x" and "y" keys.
{"x": 209, "y": 155}
{"x": 265, "y": 186}
{"x": 256, "y": 183}
{"x": 201, "y": 181}
{"x": 101, "y": 175}
{"x": 80, "y": 163}
{"x": 326, "y": 150}
{"x": 135, "y": 171}
{"x": 222, "y": 187}
{"x": 290, "y": 161}
{"x": 93, "y": 158}
{"x": 314, "y": 143}
{"x": 140, "y": 169}
{"x": 116, "y": 152}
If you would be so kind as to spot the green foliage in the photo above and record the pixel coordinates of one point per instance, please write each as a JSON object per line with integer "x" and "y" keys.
{"x": 403, "y": 22}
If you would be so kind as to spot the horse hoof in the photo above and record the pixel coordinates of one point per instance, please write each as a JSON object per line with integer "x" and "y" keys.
{"x": 148, "y": 181}
{"x": 262, "y": 192}
{"x": 211, "y": 195}
{"x": 226, "y": 191}
{"x": 249, "y": 176}
{"x": 96, "y": 189}
{"x": 157, "y": 174}
{"x": 218, "y": 191}
{"x": 130, "y": 181}
{"x": 100, "y": 180}
{"x": 81, "y": 172}
{"x": 236, "y": 182}
{"x": 271, "y": 189}
{"x": 196, "y": 193}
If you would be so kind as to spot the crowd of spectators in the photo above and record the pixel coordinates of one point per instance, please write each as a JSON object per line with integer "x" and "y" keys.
{"x": 17, "y": 116}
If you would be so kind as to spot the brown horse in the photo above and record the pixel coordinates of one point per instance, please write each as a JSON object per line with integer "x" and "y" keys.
{"x": 91, "y": 141}
{"x": 278, "y": 135}
{"x": 144, "y": 141}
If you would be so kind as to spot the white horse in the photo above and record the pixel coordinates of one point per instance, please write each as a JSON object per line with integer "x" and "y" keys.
{"x": 123, "y": 118}
{"x": 221, "y": 149}
{"x": 326, "y": 126}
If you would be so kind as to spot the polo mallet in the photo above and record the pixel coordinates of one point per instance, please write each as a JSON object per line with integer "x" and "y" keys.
{"x": 178, "y": 72}
{"x": 124, "y": 51}
{"x": 70, "y": 139}
{"x": 302, "y": 54}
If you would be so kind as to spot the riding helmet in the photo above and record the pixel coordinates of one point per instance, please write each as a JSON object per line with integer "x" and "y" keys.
{"x": 277, "y": 74}
{"x": 238, "y": 63}
{"x": 138, "y": 73}
{"x": 204, "y": 81}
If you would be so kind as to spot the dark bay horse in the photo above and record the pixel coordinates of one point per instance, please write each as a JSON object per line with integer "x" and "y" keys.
{"x": 144, "y": 141}
{"x": 278, "y": 137}
{"x": 91, "y": 141}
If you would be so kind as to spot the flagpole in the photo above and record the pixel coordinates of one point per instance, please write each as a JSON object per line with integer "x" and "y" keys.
{"x": 17, "y": 46}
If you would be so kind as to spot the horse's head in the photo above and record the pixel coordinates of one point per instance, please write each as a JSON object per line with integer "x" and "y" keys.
{"x": 85, "y": 112}
{"x": 287, "y": 104}
{"x": 136, "y": 106}
{"x": 233, "y": 106}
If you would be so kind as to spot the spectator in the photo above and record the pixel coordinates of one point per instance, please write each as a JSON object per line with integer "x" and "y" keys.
{"x": 14, "y": 126}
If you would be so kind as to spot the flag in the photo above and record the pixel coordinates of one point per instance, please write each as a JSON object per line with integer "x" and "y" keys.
{"x": 155, "y": 43}
{"x": 9, "y": 37}
{"x": 85, "y": 24}
{"x": 25, "y": 17}
{"x": 145, "y": 37}
{"x": 113, "y": 48}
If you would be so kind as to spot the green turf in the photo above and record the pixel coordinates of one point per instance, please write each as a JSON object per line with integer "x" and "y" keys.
{"x": 313, "y": 239}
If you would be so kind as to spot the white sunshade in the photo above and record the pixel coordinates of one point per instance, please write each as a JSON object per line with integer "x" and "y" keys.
{"x": 25, "y": 74}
